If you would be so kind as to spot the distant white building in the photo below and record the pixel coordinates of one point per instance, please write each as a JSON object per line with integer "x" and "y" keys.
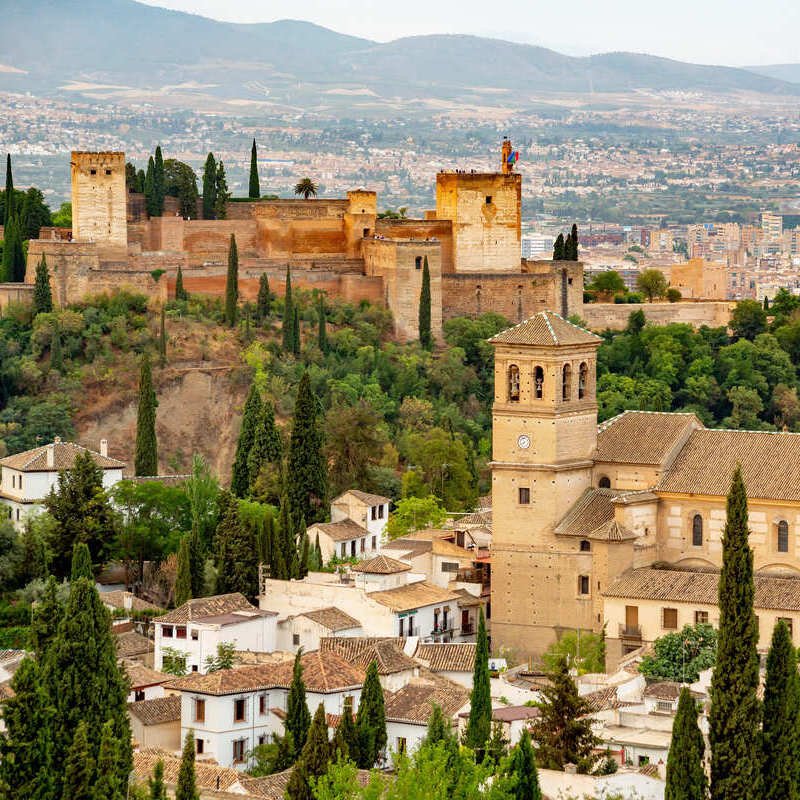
{"x": 27, "y": 478}
{"x": 308, "y": 628}
{"x": 537, "y": 245}
{"x": 193, "y": 631}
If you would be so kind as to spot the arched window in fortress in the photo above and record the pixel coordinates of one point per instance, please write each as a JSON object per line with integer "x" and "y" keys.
{"x": 566, "y": 382}
{"x": 783, "y": 536}
{"x": 583, "y": 377}
{"x": 513, "y": 383}
{"x": 697, "y": 531}
{"x": 586, "y": 546}
{"x": 538, "y": 382}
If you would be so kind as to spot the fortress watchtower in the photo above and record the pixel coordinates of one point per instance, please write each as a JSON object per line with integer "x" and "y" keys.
{"x": 99, "y": 212}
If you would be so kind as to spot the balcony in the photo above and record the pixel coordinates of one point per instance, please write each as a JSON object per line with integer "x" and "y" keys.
{"x": 631, "y": 633}
{"x": 468, "y": 629}
{"x": 473, "y": 575}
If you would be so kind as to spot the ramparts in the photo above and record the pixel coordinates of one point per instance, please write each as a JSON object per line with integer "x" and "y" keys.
{"x": 614, "y": 316}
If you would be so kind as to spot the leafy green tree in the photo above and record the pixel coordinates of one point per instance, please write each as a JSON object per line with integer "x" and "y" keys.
{"x": 232, "y": 285}
{"x": 186, "y": 788}
{"x": 307, "y": 469}
{"x": 79, "y": 767}
{"x": 183, "y": 580}
{"x": 583, "y": 650}
{"x": 221, "y": 193}
{"x": 479, "y": 723}
{"x": 608, "y": 282}
{"x": 254, "y": 189}
{"x": 306, "y": 187}
{"x": 42, "y": 296}
{"x": 81, "y": 562}
{"x": 497, "y": 746}
{"x": 162, "y": 340}
{"x": 56, "y": 357}
{"x": 413, "y": 514}
{"x": 322, "y": 333}
{"x": 748, "y": 319}
{"x": 313, "y": 761}
{"x": 296, "y": 340}
{"x": 735, "y": 719}
{"x": 146, "y": 455}
{"x": 683, "y": 655}
{"x": 180, "y": 292}
{"x": 209, "y": 186}
{"x": 225, "y": 657}
{"x": 264, "y": 299}
{"x": 558, "y": 248}
{"x": 274, "y": 756}
{"x": 26, "y": 751}
{"x": 180, "y": 181}
{"x": 371, "y": 720}
{"x": 287, "y": 326}
{"x": 252, "y": 417}
{"x": 156, "y": 786}
{"x": 523, "y": 766}
{"x": 425, "y": 334}
{"x": 237, "y": 556}
{"x": 652, "y": 283}
{"x": 781, "y": 718}
{"x": 107, "y": 784}
{"x": 564, "y": 729}
{"x": 686, "y": 776}
{"x": 298, "y": 717}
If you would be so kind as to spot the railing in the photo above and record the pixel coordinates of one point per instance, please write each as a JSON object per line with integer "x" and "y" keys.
{"x": 438, "y": 630}
{"x": 467, "y": 629}
{"x": 472, "y": 575}
{"x": 630, "y": 631}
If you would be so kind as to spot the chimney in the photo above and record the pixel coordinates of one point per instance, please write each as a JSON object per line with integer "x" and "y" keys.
{"x": 104, "y": 448}
{"x": 51, "y": 455}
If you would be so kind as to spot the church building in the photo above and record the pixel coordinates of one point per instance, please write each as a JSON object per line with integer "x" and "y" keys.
{"x": 619, "y": 525}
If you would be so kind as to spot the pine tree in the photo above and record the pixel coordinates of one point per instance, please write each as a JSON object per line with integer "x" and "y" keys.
{"x": 781, "y": 719}
{"x": 345, "y": 741}
{"x": 232, "y": 285}
{"x": 183, "y": 579}
{"x": 26, "y": 752}
{"x": 81, "y": 562}
{"x": 162, "y": 340}
{"x": 255, "y": 188}
{"x": 523, "y": 766}
{"x": 288, "y": 316}
{"x": 237, "y": 555}
{"x": 146, "y": 456}
{"x": 266, "y": 447}
{"x": 252, "y": 416}
{"x": 296, "y": 340}
{"x": 107, "y": 784}
{"x": 209, "y": 187}
{"x": 734, "y": 722}
{"x": 322, "y": 333}
{"x": 558, "y": 248}
{"x": 298, "y": 718}
{"x": 686, "y": 777}
{"x": 45, "y": 619}
{"x": 371, "y": 720}
{"x": 425, "y": 335}
{"x": 186, "y": 788}
{"x": 313, "y": 761}
{"x": 307, "y": 468}
{"x": 150, "y": 200}
{"x": 42, "y": 295}
{"x": 264, "y": 300}
{"x": 180, "y": 292}
{"x": 221, "y": 193}
{"x": 479, "y": 724}
{"x": 157, "y": 787}
{"x": 79, "y": 767}
{"x": 574, "y": 242}
{"x": 159, "y": 182}
{"x": 9, "y": 192}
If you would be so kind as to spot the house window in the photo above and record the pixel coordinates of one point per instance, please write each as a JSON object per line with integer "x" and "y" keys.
{"x": 788, "y": 622}
{"x": 538, "y": 382}
{"x": 697, "y": 531}
{"x": 488, "y": 199}
{"x": 195, "y": 668}
{"x": 418, "y": 262}
{"x": 583, "y": 374}
{"x": 108, "y": 172}
{"x": 296, "y": 639}
{"x": 195, "y": 635}
{"x": 783, "y": 536}
{"x": 604, "y": 482}
{"x": 239, "y": 747}
{"x": 524, "y": 495}
{"x": 17, "y": 515}
{"x": 402, "y": 626}
{"x": 566, "y": 382}
{"x": 664, "y": 705}
{"x": 401, "y": 745}
{"x": 180, "y": 632}
{"x": 380, "y": 512}
{"x": 344, "y": 549}
{"x": 374, "y": 542}
{"x": 263, "y": 704}
{"x": 513, "y": 383}
{"x": 199, "y": 710}
{"x": 93, "y": 172}
{"x": 166, "y": 631}
{"x": 435, "y": 620}
{"x": 363, "y": 545}
{"x": 701, "y": 617}
{"x": 262, "y": 739}
{"x": 138, "y": 695}
{"x": 198, "y": 746}
{"x": 374, "y": 512}
{"x": 583, "y": 584}
{"x": 449, "y": 566}
{"x": 239, "y": 710}
{"x": 669, "y": 618}
{"x": 586, "y": 545}
{"x": 365, "y": 232}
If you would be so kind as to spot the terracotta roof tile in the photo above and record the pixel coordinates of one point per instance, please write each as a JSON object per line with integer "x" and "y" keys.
{"x": 546, "y": 329}
{"x": 157, "y": 711}
{"x": 64, "y": 454}
{"x": 341, "y": 531}
{"x": 381, "y": 565}
{"x": 130, "y": 643}
{"x": 643, "y": 437}
{"x": 332, "y": 618}
{"x": 447, "y": 657}
{"x": 139, "y": 675}
{"x": 196, "y": 610}
{"x": 663, "y": 690}
{"x": 603, "y": 699}
{"x": 387, "y": 653}
{"x": 127, "y": 600}
{"x": 770, "y": 464}
{"x": 414, "y": 702}
{"x": 273, "y": 787}
{"x": 366, "y": 497}
{"x": 208, "y": 775}
{"x": 412, "y": 595}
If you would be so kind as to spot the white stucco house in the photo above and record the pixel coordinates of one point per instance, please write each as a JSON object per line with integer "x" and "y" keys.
{"x": 193, "y": 631}
{"x": 234, "y": 710}
{"x": 27, "y": 478}
{"x": 307, "y": 629}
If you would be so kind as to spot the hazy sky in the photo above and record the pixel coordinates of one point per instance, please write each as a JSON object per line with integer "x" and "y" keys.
{"x": 731, "y": 32}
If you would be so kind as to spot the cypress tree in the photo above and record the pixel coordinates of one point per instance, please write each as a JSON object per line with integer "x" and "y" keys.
{"x": 7, "y": 271}
{"x": 221, "y": 193}
{"x": 162, "y": 340}
{"x": 180, "y": 292}
{"x": 288, "y": 316}
{"x": 322, "y": 333}
{"x": 558, "y": 248}
{"x": 183, "y": 579}
{"x": 107, "y": 785}
{"x": 197, "y": 564}
{"x": 346, "y": 739}
{"x": 255, "y": 188}
{"x": 307, "y": 469}
{"x": 26, "y": 752}
{"x": 159, "y": 182}
{"x": 766, "y": 303}
{"x": 149, "y": 189}
{"x": 266, "y": 447}
{"x": 146, "y": 456}
{"x": 781, "y": 719}
{"x": 186, "y": 788}
{"x": 9, "y": 192}
{"x": 45, "y": 619}
{"x": 13, "y": 254}
{"x": 252, "y": 416}
{"x": 237, "y": 555}
{"x": 304, "y": 548}
{"x": 296, "y": 341}
{"x": 371, "y": 720}
{"x": 79, "y": 767}
{"x": 686, "y": 777}
{"x": 42, "y": 295}
{"x": 287, "y": 548}
{"x": 574, "y": 241}
{"x": 313, "y": 761}
{"x": 298, "y": 718}
{"x": 157, "y": 787}
{"x": 232, "y": 285}
{"x": 523, "y": 765}
{"x": 81, "y": 562}
{"x": 734, "y": 722}
{"x": 209, "y": 187}
{"x": 479, "y": 724}
{"x": 425, "y": 336}
{"x": 264, "y": 300}
{"x": 439, "y": 729}
{"x": 568, "y": 248}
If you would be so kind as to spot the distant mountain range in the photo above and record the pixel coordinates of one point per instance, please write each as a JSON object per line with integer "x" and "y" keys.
{"x": 123, "y": 49}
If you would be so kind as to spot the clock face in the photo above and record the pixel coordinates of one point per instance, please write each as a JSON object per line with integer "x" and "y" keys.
{"x": 524, "y": 441}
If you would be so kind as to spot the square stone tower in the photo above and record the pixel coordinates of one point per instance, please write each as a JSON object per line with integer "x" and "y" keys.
{"x": 99, "y": 198}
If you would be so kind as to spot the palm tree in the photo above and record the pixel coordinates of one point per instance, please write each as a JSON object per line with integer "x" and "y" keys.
{"x": 306, "y": 187}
